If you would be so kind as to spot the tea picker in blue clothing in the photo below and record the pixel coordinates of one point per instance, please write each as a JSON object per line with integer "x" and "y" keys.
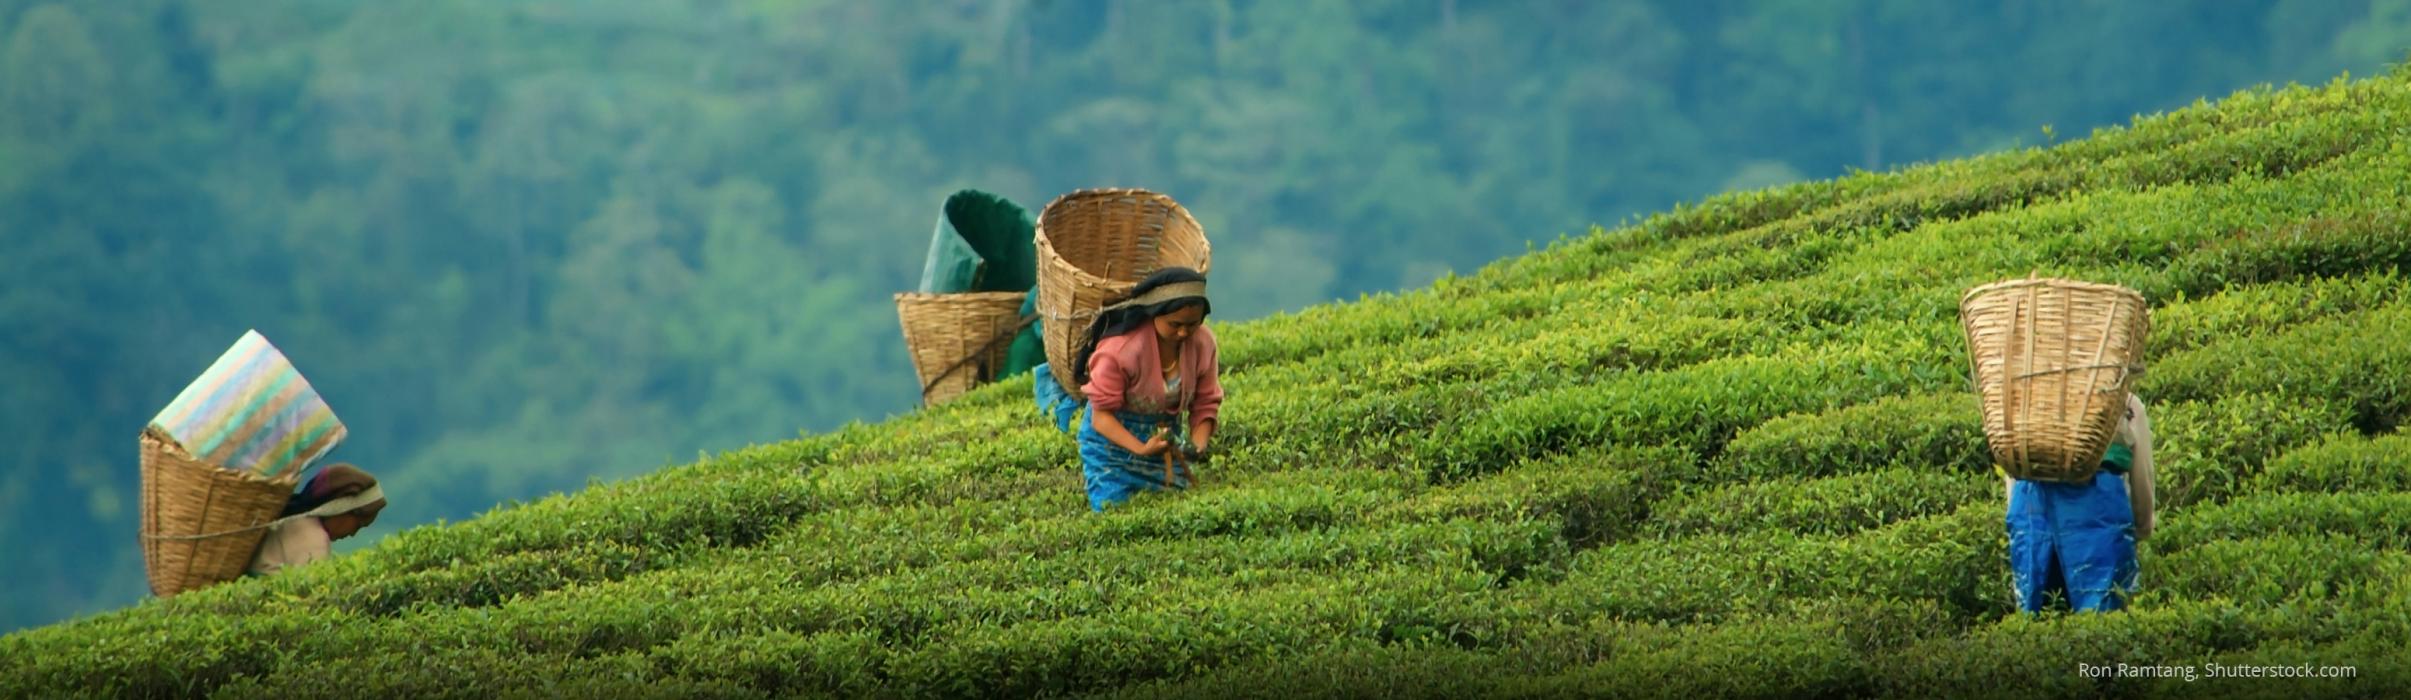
{"x": 2076, "y": 541}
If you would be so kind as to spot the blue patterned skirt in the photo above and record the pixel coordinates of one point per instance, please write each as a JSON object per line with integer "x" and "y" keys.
{"x": 1115, "y": 474}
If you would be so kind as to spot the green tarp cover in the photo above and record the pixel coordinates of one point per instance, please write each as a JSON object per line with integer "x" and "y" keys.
{"x": 983, "y": 243}
{"x": 986, "y": 243}
{"x": 952, "y": 267}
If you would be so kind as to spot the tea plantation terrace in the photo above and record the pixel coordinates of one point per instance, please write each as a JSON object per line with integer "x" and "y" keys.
{"x": 1729, "y": 451}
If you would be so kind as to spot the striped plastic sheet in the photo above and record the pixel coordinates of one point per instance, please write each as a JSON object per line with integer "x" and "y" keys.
{"x": 252, "y": 411}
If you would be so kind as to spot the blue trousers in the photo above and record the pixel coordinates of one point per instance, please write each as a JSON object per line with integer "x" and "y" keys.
{"x": 2075, "y": 541}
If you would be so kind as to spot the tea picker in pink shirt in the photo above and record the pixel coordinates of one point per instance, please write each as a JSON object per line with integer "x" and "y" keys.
{"x": 1149, "y": 373}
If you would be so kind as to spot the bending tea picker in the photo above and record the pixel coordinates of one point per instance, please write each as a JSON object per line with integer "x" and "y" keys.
{"x": 1147, "y": 367}
{"x": 219, "y": 467}
{"x": 2054, "y": 367}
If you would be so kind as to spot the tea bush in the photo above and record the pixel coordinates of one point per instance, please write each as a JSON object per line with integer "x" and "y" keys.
{"x": 2341, "y": 463}
{"x": 2372, "y": 520}
{"x": 2204, "y": 452}
{"x": 1940, "y": 432}
{"x": 1831, "y": 506}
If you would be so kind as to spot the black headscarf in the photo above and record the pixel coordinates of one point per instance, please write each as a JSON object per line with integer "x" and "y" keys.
{"x": 1123, "y": 320}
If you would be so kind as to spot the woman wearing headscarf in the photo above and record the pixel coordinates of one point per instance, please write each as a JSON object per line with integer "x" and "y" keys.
{"x": 335, "y": 504}
{"x": 1149, "y": 372}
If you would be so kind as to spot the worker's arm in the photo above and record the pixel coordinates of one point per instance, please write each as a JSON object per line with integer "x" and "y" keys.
{"x": 2140, "y": 478}
{"x": 1204, "y": 414}
{"x": 1111, "y": 428}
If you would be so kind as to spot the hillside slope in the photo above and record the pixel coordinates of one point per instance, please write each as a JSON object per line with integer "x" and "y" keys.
{"x": 1728, "y": 451}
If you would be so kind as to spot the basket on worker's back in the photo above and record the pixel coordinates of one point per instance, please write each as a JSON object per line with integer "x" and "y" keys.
{"x": 1093, "y": 247}
{"x": 201, "y": 524}
{"x": 2053, "y": 360}
{"x": 958, "y": 341}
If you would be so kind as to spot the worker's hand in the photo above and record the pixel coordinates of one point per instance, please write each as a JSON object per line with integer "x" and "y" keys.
{"x": 1155, "y": 446}
{"x": 1200, "y": 455}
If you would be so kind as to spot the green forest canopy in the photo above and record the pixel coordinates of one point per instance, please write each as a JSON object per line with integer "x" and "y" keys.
{"x": 1728, "y": 452}
{"x": 521, "y": 246}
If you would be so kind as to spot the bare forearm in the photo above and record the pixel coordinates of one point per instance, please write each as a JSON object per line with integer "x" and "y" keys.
{"x": 2142, "y": 489}
{"x": 2143, "y": 475}
{"x": 1111, "y": 427}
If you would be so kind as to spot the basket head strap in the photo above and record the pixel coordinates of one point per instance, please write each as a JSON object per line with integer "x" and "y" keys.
{"x": 346, "y": 504}
{"x": 1158, "y": 295}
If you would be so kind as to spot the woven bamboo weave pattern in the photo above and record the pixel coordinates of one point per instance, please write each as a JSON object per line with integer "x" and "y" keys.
{"x": 2053, "y": 361}
{"x": 1093, "y": 247}
{"x": 201, "y": 524}
{"x": 958, "y": 341}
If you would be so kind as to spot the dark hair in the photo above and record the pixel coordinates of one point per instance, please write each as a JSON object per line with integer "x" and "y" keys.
{"x": 1119, "y": 321}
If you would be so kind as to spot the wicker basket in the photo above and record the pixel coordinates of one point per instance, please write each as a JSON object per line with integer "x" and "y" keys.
{"x": 958, "y": 341}
{"x": 201, "y": 524}
{"x": 2053, "y": 362}
{"x": 1093, "y": 247}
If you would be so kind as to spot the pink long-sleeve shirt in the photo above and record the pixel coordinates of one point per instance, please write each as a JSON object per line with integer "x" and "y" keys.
{"x": 1124, "y": 374}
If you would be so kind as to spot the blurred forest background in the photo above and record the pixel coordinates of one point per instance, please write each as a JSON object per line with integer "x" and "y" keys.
{"x": 521, "y": 245}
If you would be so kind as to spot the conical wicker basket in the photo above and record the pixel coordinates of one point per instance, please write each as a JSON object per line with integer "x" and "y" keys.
{"x": 958, "y": 341}
{"x": 201, "y": 524}
{"x": 1093, "y": 247}
{"x": 2054, "y": 360}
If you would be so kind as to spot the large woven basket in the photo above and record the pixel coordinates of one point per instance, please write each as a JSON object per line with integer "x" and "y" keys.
{"x": 958, "y": 341}
{"x": 1093, "y": 247}
{"x": 2054, "y": 360}
{"x": 201, "y": 524}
